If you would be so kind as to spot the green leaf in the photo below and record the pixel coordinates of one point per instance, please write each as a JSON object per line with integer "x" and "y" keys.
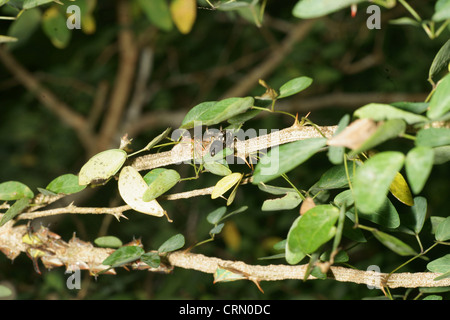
{"x": 13, "y": 190}
{"x": 308, "y": 9}
{"x": 108, "y": 242}
{"x": 219, "y": 167}
{"x": 335, "y": 177}
{"x": 293, "y": 252}
{"x": 380, "y": 112}
{"x": 274, "y": 189}
{"x": 387, "y": 130}
{"x": 290, "y": 201}
{"x": 443, "y": 230}
{"x": 314, "y": 228}
{"x": 440, "y": 101}
{"x": 336, "y": 153}
{"x": 418, "y": 165}
{"x": 294, "y": 86}
{"x": 211, "y": 113}
{"x": 386, "y": 215}
{"x": 5, "y": 291}
{"x": 28, "y": 4}
{"x": 24, "y": 27}
{"x": 440, "y": 265}
{"x": 372, "y": 180}
{"x": 217, "y": 229}
{"x": 173, "y": 243}
{"x": 152, "y": 259}
{"x": 433, "y": 297}
{"x": 54, "y": 25}
{"x": 215, "y": 216}
{"x": 14, "y": 210}
{"x": 441, "y": 154}
{"x": 394, "y": 243}
{"x": 433, "y": 137}
{"x": 102, "y": 166}
{"x": 415, "y": 107}
{"x": 285, "y": 158}
{"x": 160, "y": 181}
{"x": 158, "y": 13}
{"x": 416, "y": 218}
{"x": 66, "y": 184}
{"x": 441, "y": 60}
{"x": 123, "y": 255}
{"x": 442, "y": 10}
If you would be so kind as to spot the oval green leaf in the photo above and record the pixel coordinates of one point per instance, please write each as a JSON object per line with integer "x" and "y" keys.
{"x": 292, "y": 248}
{"x": 315, "y": 228}
{"x": 285, "y": 158}
{"x": 161, "y": 180}
{"x": 123, "y": 255}
{"x": 211, "y": 113}
{"x": 173, "y": 243}
{"x": 441, "y": 60}
{"x": 440, "y": 265}
{"x": 380, "y": 112}
{"x": 54, "y": 26}
{"x": 418, "y": 165}
{"x": 108, "y": 242}
{"x": 372, "y": 180}
{"x": 215, "y": 216}
{"x": 158, "y": 13}
{"x": 433, "y": 137}
{"x": 416, "y": 219}
{"x": 336, "y": 153}
{"x": 13, "y": 190}
{"x": 308, "y": 9}
{"x": 294, "y": 86}
{"x": 394, "y": 243}
{"x": 66, "y": 184}
{"x": 132, "y": 188}
{"x": 440, "y": 101}
{"x": 290, "y": 201}
{"x": 102, "y": 166}
{"x": 443, "y": 230}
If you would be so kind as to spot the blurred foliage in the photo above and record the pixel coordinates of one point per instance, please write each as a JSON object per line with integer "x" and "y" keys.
{"x": 219, "y": 51}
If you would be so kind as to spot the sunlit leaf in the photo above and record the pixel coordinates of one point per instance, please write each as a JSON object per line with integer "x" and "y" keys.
{"x": 132, "y": 188}
{"x": 225, "y": 184}
{"x": 102, "y": 166}
{"x": 13, "y": 190}
{"x": 440, "y": 265}
{"x": 442, "y": 10}
{"x": 159, "y": 181}
{"x": 290, "y": 201}
{"x": 433, "y": 137}
{"x": 308, "y": 9}
{"x": 380, "y": 112}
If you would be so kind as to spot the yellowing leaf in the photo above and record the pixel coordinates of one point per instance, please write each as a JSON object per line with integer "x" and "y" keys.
{"x": 400, "y": 189}
{"x": 88, "y": 24}
{"x": 225, "y": 184}
{"x": 231, "y": 236}
{"x": 183, "y": 14}
{"x": 132, "y": 187}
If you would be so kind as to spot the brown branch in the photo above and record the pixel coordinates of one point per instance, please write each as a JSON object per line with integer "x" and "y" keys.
{"x": 54, "y": 252}
{"x": 262, "y": 70}
{"x": 128, "y": 54}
